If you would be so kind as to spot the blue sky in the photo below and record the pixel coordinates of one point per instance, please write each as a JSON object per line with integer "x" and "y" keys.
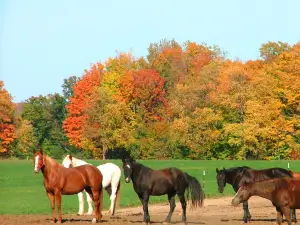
{"x": 43, "y": 42}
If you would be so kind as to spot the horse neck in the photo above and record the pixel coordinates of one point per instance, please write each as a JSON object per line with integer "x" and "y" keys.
{"x": 78, "y": 162}
{"x": 136, "y": 170}
{"x": 231, "y": 176}
{"x": 50, "y": 167}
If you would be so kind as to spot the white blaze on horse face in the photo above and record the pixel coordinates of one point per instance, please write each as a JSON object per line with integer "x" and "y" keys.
{"x": 36, "y": 164}
{"x": 127, "y": 179}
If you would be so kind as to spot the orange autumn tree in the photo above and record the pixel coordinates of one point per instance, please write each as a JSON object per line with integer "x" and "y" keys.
{"x": 83, "y": 89}
{"x": 166, "y": 57}
{"x": 7, "y": 128}
{"x": 285, "y": 68}
{"x": 144, "y": 91}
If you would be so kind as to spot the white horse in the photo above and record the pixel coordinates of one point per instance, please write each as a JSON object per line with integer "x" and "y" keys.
{"x": 111, "y": 182}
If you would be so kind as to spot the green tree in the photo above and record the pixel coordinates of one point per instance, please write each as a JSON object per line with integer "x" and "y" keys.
{"x": 26, "y": 140}
{"x": 68, "y": 85}
{"x": 271, "y": 50}
{"x": 110, "y": 124}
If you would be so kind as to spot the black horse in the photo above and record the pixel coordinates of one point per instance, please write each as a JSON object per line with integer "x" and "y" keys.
{"x": 170, "y": 181}
{"x": 237, "y": 176}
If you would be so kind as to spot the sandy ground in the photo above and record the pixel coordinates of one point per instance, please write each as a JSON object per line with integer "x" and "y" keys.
{"x": 215, "y": 211}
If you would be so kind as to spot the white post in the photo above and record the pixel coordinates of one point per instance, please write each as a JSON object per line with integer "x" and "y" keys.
{"x": 203, "y": 178}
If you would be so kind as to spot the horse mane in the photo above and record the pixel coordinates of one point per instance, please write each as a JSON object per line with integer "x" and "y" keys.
{"x": 141, "y": 166}
{"x": 289, "y": 173}
{"x": 237, "y": 169}
{"x": 51, "y": 161}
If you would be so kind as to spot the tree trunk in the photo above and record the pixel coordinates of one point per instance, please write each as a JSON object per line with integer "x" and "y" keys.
{"x": 104, "y": 149}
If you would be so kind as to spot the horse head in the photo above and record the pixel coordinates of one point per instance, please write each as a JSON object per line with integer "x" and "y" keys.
{"x": 39, "y": 160}
{"x": 127, "y": 167}
{"x": 221, "y": 179}
{"x": 67, "y": 162}
{"x": 243, "y": 194}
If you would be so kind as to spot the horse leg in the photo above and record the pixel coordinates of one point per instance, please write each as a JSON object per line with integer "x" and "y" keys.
{"x": 81, "y": 204}
{"x": 90, "y": 205}
{"x": 97, "y": 196}
{"x": 145, "y": 207}
{"x": 113, "y": 197}
{"x": 183, "y": 205}
{"x": 52, "y": 202}
{"x": 117, "y": 198}
{"x": 109, "y": 192}
{"x": 171, "y": 198}
{"x": 294, "y": 219}
{"x": 287, "y": 213}
{"x": 279, "y": 215}
{"x": 247, "y": 215}
{"x": 58, "y": 204}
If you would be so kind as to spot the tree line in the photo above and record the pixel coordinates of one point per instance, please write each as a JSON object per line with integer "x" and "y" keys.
{"x": 183, "y": 101}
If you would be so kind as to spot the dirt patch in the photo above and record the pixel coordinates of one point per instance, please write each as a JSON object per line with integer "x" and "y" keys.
{"x": 215, "y": 212}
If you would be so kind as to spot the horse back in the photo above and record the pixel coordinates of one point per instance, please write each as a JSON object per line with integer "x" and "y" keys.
{"x": 90, "y": 174}
{"x": 160, "y": 182}
{"x": 78, "y": 178}
{"x": 270, "y": 173}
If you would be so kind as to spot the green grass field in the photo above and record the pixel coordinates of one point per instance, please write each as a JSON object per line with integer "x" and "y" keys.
{"x": 22, "y": 191}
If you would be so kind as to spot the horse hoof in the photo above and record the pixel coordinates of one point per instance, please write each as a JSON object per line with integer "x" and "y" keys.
{"x": 58, "y": 221}
{"x": 89, "y": 213}
{"x": 79, "y": 214}
{"x": 166, "y": 223}
{"x": 94, "y": 220}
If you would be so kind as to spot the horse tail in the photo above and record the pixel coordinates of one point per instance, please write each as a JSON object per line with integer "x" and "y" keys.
{"x": 195, "y": 192}
{"x": 101, "y": 199}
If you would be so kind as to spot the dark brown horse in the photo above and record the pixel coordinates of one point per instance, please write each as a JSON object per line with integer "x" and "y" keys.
{"x": 59, "y": 180}
{"x": 284, "y": 193}
{"x": 169, "y": 181}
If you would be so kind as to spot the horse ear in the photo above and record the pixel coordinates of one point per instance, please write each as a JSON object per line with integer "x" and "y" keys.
{"x": 70, "y": 157}
{"x": 41, "y": 151}
{"x": 123, "y": 160}
{"x": 217, "y": 170}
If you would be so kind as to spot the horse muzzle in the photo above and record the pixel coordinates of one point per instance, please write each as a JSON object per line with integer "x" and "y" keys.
{"x": 127, "y": 179}
{"x": 221, "y": 190}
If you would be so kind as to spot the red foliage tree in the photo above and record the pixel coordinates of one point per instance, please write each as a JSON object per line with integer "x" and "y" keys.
{"x": 74, "y": 123}
{"x": 7, "y": 129}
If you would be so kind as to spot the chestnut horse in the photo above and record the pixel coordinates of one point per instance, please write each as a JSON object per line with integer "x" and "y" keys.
{"x": 59, "y": 180}
{"x": 283, "y": 192}
{"x": 111, "y": 183}
{"x": 296, "y": 175}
